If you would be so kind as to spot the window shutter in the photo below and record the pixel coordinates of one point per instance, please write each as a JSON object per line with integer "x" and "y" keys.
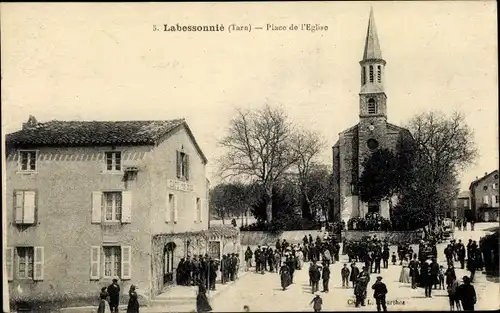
{"x": 175, "y": 208}
{"x": 29, "y": 207}
{"x": 126, "y": 206}
{"x": 96, "y": 206}
{"x": 202, "y": 208}
{"x": 9, "y": 258}
{"x": 486, "y": 200}
{"x": 126, "y": 262}
{"x": 186, "y": 166}
{"x": 95, "y": 262}
{"x": 195, "y": 210}
{"x": 19, "y": 202}
{"x": 38, "y": 263}
{"x": 178, "y": 164}
{"x": 168, "y": 213}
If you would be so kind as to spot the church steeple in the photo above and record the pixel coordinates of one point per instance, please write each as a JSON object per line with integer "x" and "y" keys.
{"x": 372, "y": 94}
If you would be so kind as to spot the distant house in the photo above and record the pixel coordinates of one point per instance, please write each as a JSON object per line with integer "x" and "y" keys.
{"x": 485, "y": 197}
{"x": 461, "y": 206}
{"x": 91, "y": 201}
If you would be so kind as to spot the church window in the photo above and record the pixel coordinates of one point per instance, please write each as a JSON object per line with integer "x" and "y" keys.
{"x": 371, "y": 73}
{"x": 379, "y": 74}
{"x": 363, "y": 75}
{"x": 372, "y": 144}
{"x": 372, "y": 107}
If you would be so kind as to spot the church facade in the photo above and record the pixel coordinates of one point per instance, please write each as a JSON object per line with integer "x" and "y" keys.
{"x": 372, "y": 132}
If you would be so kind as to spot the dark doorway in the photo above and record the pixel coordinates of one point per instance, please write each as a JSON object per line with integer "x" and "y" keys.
{"x": 374, "y": 207}
{"x": 168, "y": 263}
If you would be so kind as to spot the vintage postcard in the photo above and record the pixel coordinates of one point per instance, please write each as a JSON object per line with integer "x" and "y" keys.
{"x": 250, "y": 156}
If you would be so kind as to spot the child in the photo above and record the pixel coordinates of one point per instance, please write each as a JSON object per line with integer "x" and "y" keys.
{"x": 318, "y": 302}
{"x": 393, "y": 258}
{"x": 441, "y": 277}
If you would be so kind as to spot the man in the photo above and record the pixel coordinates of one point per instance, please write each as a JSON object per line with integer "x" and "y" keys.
{"x": 188, "y": 271}
{"x": 471, "y": 266}
{"x": 360, "y": 290}
{"x": 435, "y": 272}
{"x": 257, "y": 259}
{"x": 213, "y": 267}
{"x": 326, "y": 277}
{"x": 378, "y": 259}
{"x": 314, "y": 276}
{"x": 385, "y": 255}
{"x": 414, "y": 266}
{"x": 114, "y": 296}
{"x": 354, "y": 274}
{"x": 248, "y": 258}
{"x": 224, "y": 269}
{"x": 196, "y": 271}
{"x": 461, "y": 253}
{"x": 344, "y": 273}
{"x": 466, "y": 294}
{"x": 379, "y": 293}
{"x": 327, "y": 257}
{"x": 262, "y": 261}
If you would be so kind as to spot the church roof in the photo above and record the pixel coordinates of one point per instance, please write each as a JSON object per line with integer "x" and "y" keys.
{"x": 372, "y": 45}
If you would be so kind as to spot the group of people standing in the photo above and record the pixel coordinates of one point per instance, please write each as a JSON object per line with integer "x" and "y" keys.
{"x": 112, "y": 292}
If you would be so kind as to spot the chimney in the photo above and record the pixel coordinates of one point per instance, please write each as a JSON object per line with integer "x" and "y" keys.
{"x": 31, "y": 123}
{"x": 485, "y": 173}
{"x": 477, "y": 178}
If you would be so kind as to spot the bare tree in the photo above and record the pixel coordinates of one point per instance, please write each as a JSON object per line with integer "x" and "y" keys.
{"x": 444, "y": 147}
{"x": 258, "y": 148}
{"x": 306, "y": 146}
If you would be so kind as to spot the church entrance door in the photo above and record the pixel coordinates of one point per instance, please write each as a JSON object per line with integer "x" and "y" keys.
{"x": 374, "y": 207}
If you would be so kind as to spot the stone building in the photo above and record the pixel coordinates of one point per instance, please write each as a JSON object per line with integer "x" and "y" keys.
{"x": 460, "y": 207}
{"x": 91, "y": 201}
{"x": 371, "y": 133}
{"x": 484, "y": 197}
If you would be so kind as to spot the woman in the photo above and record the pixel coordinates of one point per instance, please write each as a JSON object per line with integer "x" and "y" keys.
{"x": 103, "y": 304}
{"x": 202, "y": 304}
{"x": 133, "y": 303}
{"x": 300, "y": 256}
{"x": 404, "y": 277}
{"x": 285, "y": 276}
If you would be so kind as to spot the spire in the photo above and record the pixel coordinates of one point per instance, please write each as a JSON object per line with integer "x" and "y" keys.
{"x": 372, "y": 46}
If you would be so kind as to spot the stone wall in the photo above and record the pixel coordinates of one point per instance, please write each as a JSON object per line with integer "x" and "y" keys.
{"x": 393, "y": 237}
{"x": 260, "y": 238}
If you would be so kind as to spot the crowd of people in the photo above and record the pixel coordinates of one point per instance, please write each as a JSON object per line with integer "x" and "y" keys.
{"x": 372, "y": 222}
{"x": 202, "y": 270}
{"x": 110, "y": 299}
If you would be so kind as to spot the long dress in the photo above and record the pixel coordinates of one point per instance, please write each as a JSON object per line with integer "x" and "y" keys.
{"x": 301, "y": 259}
{"x": 133, "y": 303}
{"x": 202, "y": 304}
{"x": 103, "y": 305}
{"x": 404, "y": 277}
{"x": 285, "y": 277}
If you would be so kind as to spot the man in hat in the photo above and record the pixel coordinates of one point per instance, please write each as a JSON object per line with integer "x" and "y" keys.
{"x": 354, "y": 274}
{"x": 326, "y": 276}
{"x": 379, "y": 293}
{"x": 466, "y": 294}
{"x": 314, "y": 276}
{"x": 344, "y": 273}
{"x": 114, "y": 295}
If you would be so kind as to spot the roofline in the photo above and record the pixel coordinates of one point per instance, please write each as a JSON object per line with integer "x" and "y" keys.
{"x": 191, "y": 136}
{"x": 480, "y": 179}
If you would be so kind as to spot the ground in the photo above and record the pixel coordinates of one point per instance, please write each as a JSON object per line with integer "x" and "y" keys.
{"x": 263, "y": 292}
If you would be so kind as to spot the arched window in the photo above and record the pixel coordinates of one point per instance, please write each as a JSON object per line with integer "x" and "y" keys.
{"x": 363, "y": 76}
{"x": 372, "y": 106}
{"x": 379, "y": 72}
{"x": 371, "y": 73}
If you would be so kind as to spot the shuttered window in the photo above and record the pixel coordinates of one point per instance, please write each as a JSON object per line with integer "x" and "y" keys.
{"x": 24, "y": 207}
{"x": 182, "y": 165}
{"x": 112, "y": 262}
{"x": 116, "y": 262}
{"x": 113, "y": 161}
{"x": 27, "y": 160}
{"x": 25, "y": 262}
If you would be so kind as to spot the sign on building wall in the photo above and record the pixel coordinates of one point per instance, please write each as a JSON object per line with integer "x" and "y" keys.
{"x": 179, "y": 185}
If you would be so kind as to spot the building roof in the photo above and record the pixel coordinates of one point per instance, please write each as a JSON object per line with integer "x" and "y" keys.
{"x": 95, "y": 133}
{"x": 475, "y": 182}
{"x": 372, "y": 46}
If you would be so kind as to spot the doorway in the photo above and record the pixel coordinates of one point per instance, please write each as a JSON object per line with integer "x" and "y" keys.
{"x": 168, "y": 263}
{"x": 373, "y": 207}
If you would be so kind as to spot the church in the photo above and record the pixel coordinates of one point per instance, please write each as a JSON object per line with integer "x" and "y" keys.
{"x": 372, "y": 132}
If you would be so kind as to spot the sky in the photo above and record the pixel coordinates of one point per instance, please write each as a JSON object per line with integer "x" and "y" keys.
{"x": 74, "y": 61}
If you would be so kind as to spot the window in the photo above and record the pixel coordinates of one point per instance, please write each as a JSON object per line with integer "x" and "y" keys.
{"x": 171, "y": 209}
{"x": 379, "y": 73}
{"x": 372, "y": 106}
{"x": 466, "y": 203}
{"x": 372, "y": 144}
{"x": 27, "y": 161}
{"x": 24, "y": 207}
{"x": 112, "y": 261}
{"x": 371, "y": 73}
{"x": 182, "y": 165}
{"x": 496, "y": 199}
{"x": 454, "y": 203}
{"x": 495, "y": 186}
{"x": 25, "y": 257}
{"x": 363, "y": 75}
{"x": 113, "y": 206}
{"x": 113, "y": 161}
{"x": 486, "y": 199}
{"x": 198, "y": 209}
{"x": 485, "y": 187}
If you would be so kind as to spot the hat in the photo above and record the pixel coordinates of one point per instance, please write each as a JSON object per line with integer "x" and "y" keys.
{"x": 379, "y": 277}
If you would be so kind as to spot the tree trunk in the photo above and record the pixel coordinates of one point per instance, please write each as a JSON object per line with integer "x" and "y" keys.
{"x": 390, "y": 209}
{"x": 269, "y": 203}
{"x": 305, "y": 205}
